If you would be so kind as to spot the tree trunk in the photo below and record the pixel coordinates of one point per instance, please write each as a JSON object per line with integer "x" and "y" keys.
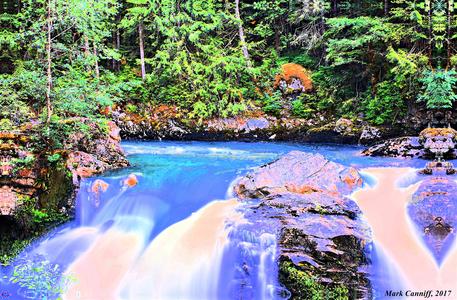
{"x": 49, "y": 62}
{"x": 113, "y": 61}
{"x": 118, "y": 46}
{"x": 141, "y": 37}
{"x": 449, "y": 37}
{"x": 277, "y": 40}
{"x": 386, "y": 7}
{"x": 86, "y": 46}
{"x": 244, "y": 47}
{"x": 430, "y": 33}
{"x": 97, "y": 70}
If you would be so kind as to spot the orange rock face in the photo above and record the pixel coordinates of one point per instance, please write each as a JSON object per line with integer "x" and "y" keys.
{"x": 8, "y": 201}
{"x": 304, "y": 189}
{"x": 432, "y": 132}
{"x": 290, "y": 71}
{"x": 352, "y": 178}
{"x": 99, "y": 186}
{"x": 131, "y": 180}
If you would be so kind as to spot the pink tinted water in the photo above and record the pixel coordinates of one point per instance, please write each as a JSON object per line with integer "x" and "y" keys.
{"x": 384, "y": 207}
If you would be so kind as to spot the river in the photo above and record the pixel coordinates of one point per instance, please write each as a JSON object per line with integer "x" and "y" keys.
{"x": 163, "y": 228}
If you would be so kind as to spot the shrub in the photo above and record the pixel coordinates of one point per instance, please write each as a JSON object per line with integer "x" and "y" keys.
{"x": 438, "y": 89}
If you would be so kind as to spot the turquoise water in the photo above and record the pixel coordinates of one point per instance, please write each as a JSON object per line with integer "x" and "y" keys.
{"x": 175, "y": 180}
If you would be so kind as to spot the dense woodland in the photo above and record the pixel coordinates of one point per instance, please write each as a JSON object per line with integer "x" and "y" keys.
{"x": 368, "y": 59}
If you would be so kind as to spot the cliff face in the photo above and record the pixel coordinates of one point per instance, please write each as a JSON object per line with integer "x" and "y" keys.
{"x": 320, "y": 237}
{"x": 37, "y": 187}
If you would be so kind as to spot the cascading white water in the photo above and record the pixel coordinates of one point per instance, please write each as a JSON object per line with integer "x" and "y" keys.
{"x": 267, "y": 259}
{"x": 384, "y": 207}
{"x": 180, "y": 263}
{"x": 142, "y": 243}
{"x": 183, "y": 261}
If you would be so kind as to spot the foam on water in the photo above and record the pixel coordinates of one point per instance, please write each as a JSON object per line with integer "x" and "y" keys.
{"x": 398, "y": 245}
{"x": 166, "y": 237}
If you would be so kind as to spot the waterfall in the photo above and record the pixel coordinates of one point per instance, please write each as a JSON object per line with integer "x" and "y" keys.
{"x": 250, "y": 267}
{"x": 398, "y": 246}
{"x": 164, "y": 237}
{"x": 184, "y": 261}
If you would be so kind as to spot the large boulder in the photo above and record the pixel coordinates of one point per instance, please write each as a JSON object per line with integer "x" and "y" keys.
{"x": 301, "y": 173}
{"x": 369, "y": 135}
{"x": 301, "y": 198}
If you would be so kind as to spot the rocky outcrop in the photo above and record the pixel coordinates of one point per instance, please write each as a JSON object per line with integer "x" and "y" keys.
{"x": 431, "y": 143}
{"x": 38, "y": 185}
{"x": 321, "y": 240}
{"x": 19, "y": 171}
{"x": 438, "y": 142}
{"x": 433, "y": 210}
{"x": 35, "y": 183}
{"x": 101, "y": 152}
{"x": 369, "y": 135}
{"x": 170, "y": 123}
{"x": 397, "y": 147}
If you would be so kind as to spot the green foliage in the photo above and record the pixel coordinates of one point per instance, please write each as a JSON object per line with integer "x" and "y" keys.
{"x": 272, "y": 103}
{"x": 194, "y": 66}
{"x": 39, "y": 216}
{"x": 21, "y": 163}
{"x": 233, "y": 109}
{"x": 301, "y": 109}
{"x": 11, "y": 249}
{"x": 358, "y": 53}
{"x": 306, "y": 287}
{"x": 386, "y": 106}
{"x": 438, "y": 89}
{"x": 131, "y": 108}
{"x": 54, "y": 135}
{"x": 15, "y": 91}
{"x": 303, "y": 59}
{"x": 202, "y": 110}
{"x": 54, "y": 158}
{"x": 6, "y": 125}
{"x": 34, "y": 218}
{"x": 349, "y": 39}
{"x": 41, "y": 278}
{"x": 331, "y": 89}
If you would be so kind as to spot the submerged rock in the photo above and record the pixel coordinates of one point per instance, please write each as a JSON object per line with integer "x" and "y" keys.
{"x": 301, "y": 199}
{"x": 131, "y": 181}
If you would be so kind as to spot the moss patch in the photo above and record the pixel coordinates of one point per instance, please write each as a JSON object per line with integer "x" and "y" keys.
{"x": 305, "y": 286}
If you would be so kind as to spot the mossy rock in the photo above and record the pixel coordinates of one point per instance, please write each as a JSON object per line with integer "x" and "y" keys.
{"x": 305, "y": 286}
